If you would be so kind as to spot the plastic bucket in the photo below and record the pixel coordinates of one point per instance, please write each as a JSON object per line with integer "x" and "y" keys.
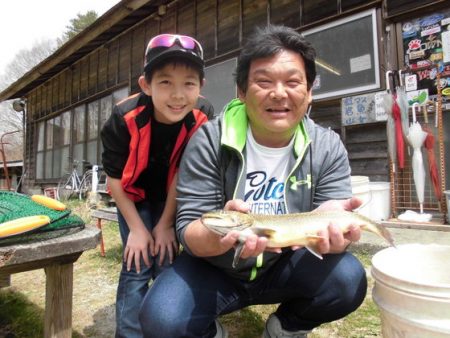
{"x": 380, "y": 202}
{"x": 412, "y": 290}
{"x": 361, "y": 189}
{"x": 447, "y": 195}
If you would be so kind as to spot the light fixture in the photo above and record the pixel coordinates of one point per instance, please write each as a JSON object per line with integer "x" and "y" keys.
{"x": 162, "y": 9}
{"x": 18, "y": 105}
{"x": 327, "y": 66}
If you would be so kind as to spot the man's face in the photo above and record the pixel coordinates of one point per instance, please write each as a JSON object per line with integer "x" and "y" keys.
{"x": 174, "y": 90}
{"x": 277, "y": 97}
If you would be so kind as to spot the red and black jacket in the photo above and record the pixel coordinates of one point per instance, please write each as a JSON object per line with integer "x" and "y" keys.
{"x": 126, "y": 139}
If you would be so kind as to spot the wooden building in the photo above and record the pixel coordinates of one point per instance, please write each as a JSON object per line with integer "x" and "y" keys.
{"x": 70, "y": 94}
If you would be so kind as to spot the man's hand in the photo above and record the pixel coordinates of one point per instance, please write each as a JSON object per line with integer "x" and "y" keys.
{"x": 334, "y": 240}
{"x": 254, "y": 245}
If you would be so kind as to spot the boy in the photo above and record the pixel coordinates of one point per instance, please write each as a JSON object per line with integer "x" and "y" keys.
{"x": 143, "y": 141}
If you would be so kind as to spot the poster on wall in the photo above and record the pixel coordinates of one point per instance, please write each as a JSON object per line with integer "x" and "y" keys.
{"x": 426, "y": 43}
{"x": 361, "y": 109}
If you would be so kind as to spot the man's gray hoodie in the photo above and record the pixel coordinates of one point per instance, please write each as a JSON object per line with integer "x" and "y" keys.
{"x": 213, "y": 169}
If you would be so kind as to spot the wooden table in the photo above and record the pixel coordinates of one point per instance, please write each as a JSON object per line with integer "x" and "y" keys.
{"x": 56, "y": 256}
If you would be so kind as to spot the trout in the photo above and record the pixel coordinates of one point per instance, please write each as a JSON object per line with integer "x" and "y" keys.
{"x": 298, "y": 229}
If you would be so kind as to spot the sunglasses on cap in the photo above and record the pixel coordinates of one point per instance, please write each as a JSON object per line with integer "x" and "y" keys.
{"x": 168, "y": 40}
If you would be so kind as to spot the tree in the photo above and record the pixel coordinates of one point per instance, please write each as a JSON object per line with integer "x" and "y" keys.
{"x": 23, "y": 62}
{"x": 77, "y": 25}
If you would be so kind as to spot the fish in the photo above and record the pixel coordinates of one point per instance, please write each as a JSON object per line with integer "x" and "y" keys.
{"x": 286, "y": 230}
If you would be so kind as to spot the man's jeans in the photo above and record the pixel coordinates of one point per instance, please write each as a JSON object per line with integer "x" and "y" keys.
{"x": 132, "y": 285}
{"x": 187, "y": 297}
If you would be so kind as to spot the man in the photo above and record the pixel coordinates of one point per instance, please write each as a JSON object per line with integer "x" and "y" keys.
{"x": 265, "y": 156}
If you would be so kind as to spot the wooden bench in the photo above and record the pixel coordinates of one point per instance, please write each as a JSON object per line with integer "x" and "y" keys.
{"x": 109, "y": 214}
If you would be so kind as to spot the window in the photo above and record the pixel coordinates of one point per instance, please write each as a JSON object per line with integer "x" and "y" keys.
{"x": 220, "y": 86}
{"x": 79, "y": 135}
{"x": 73, "y": 135}
{"x": 93, "y": 131}
{"x": 40, "y": 150}
{"x": 65, "y": 143}
{"x": 347, "y": 56}
{"x": 49, "y": 148}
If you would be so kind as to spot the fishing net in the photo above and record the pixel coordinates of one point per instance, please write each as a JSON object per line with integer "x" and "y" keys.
{"x": 14, "y": 205}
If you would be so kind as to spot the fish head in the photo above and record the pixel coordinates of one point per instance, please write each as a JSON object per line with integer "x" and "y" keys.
{"x": 223, "y": 221}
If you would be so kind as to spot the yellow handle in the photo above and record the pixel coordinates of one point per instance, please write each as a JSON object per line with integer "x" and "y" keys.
{"x": 49, "y": 202}
{"x": 23, "y": 224}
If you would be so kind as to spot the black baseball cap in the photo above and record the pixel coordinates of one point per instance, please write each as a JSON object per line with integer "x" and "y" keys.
{"x": 167, "y": 46}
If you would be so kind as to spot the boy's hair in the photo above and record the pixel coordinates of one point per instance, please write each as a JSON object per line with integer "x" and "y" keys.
{"x": 175, "y": 61}
{"x": 268, "y": 41}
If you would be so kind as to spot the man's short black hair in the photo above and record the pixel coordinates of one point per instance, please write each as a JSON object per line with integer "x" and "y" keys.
{"x": 175, "y": 61}
{"x": 268, "y": 41}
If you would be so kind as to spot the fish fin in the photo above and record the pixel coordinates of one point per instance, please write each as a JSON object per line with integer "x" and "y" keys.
{"x": 263, "y": 231}
{"x": 312, "y": 245}
{"x": 237, "y": 254}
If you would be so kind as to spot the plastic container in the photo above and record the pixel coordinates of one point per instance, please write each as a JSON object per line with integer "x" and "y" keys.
{"x": 412, "y": 290}
{"x": 447, "y": 195}
{"x": 361, "y": 189}
{"x": 380, "y": 201}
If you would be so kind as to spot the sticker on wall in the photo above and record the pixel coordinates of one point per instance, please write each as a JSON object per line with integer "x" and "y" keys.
{"x": 410, "y": 30}
{"x": 316, "y": 83}
{"x": 445, "y": 36}
{"x": 433, "y": 29}
{"x": 410, "y": 82}
{"x": 431, "y": 19}
{"x": 417, "y": 96}
{"x": 360, "y": 63}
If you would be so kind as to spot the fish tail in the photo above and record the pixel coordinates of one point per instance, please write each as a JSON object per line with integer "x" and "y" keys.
{"x": 381, "y": 231}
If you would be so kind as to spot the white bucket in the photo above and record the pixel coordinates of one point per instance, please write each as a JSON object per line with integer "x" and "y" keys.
{"x": 380, "y": 202}
{"x": 361, "y": 189}
{"x": 447, "y": 194}
{"x": 412, "y": 290}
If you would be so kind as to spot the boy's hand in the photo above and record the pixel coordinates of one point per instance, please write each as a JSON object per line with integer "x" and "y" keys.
{"x": 140, "y": 243}
{"x": 165, "y": 242}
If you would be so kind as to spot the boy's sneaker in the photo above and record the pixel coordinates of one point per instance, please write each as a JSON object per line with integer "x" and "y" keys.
{"x": 221, "y": 331}
{"x": 274, "y": 330}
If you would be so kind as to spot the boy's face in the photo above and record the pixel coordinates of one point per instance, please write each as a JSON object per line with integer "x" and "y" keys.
{"x": 174, "y": 90}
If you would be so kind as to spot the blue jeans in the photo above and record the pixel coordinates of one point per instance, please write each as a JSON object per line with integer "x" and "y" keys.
{"x": 187, "y": 297}
{"x": 132, "y": 285}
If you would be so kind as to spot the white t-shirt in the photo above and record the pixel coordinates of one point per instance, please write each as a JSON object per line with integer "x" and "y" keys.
{"x": 267, "y": 170}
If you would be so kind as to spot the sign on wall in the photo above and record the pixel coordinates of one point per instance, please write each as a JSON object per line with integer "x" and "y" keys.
{"x": 362, "y": 109}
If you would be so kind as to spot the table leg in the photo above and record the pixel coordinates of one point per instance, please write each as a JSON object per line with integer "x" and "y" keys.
{"x": 102, "y": 245}
{"x": 58, "y": 301}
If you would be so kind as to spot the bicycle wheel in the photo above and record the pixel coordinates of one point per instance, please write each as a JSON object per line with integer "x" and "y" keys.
{"x": 65, "y": 187}
{"x": 85, "y": 185}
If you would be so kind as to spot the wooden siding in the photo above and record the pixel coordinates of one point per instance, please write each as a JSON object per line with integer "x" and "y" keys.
{"x": 286, "y": 12}
{"x": 228, "y": 27}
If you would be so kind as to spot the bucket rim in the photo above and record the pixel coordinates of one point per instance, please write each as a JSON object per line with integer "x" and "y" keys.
{"x": 405, "y": 283}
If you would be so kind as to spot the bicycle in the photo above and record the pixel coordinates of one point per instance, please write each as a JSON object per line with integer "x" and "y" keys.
{"x": 71, "y": 183}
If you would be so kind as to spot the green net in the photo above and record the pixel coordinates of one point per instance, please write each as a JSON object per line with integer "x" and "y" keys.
{"x": 14, "y": 205}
